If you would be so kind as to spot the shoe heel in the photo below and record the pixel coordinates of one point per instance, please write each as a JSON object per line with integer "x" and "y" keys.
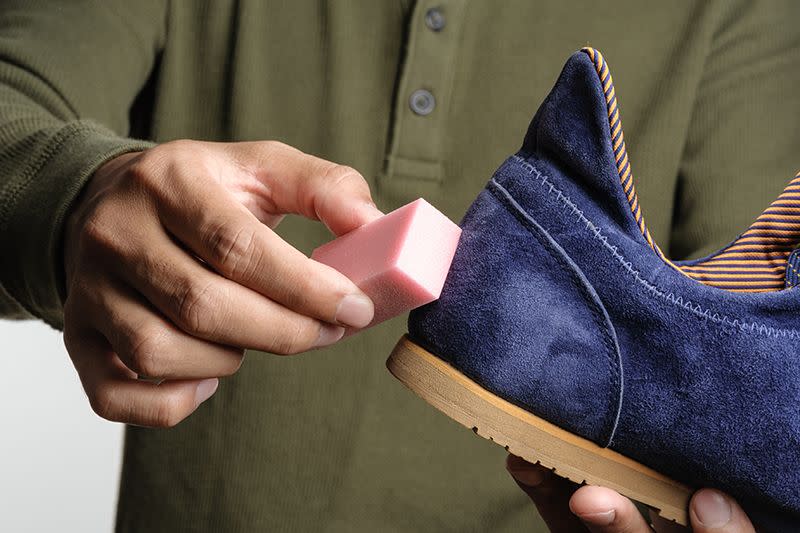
{"x": 530, "y": 437}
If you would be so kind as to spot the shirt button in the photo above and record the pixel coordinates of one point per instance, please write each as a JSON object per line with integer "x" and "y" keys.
{"x": 422, "y": 102}
{"x": 434, "y": 19}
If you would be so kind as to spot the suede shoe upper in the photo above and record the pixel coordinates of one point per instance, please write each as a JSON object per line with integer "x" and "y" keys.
{"x": 559, "y": 301}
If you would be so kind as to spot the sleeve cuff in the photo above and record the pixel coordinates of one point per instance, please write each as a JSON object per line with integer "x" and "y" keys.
{"x": 31, "y": 238}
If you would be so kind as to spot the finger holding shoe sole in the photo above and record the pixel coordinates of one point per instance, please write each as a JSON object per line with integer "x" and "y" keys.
{"x": 568, "y": 507}
{"x": 173, "y": 269}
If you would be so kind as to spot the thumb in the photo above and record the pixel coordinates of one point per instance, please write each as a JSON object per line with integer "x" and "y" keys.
{"x": 711, "y": 511}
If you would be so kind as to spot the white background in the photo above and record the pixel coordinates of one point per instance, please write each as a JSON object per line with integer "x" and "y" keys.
{"x": 59, "y": 462}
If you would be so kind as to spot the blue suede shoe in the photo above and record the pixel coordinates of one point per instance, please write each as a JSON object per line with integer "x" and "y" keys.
{"x": 565, "y": 334}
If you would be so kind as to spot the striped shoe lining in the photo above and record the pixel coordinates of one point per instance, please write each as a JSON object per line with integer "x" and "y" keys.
{"x": 754, "y": 262}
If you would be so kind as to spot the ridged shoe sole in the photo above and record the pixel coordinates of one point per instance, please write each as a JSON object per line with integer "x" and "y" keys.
{"x": 530, "y": 437}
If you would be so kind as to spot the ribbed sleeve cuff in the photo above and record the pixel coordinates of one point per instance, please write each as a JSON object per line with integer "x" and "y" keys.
{"x": 30, "y": 240}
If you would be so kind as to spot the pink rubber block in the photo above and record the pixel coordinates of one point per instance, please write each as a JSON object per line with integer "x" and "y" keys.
{"x": 399, "y": 260}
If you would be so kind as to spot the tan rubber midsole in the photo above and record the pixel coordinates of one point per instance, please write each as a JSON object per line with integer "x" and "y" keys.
{"x": 531, "y": 437}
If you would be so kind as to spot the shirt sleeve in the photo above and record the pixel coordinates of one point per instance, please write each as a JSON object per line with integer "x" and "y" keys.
{"x": 743, "y": 143}
{"x": 69, "y": 74}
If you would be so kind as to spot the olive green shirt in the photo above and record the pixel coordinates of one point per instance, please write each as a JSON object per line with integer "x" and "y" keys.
{"x": 709, "y": 93}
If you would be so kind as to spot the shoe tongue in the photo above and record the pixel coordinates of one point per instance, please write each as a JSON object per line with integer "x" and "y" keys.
{"x": 792, "y": 277}
{"x": 572, "y": 129}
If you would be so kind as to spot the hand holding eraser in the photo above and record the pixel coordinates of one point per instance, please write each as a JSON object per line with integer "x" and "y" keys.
{"x": 399, "y": 260}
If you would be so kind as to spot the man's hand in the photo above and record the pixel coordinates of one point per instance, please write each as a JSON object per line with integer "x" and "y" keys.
{"x": 172, "y": 269}
{"x": 567, "y": 507}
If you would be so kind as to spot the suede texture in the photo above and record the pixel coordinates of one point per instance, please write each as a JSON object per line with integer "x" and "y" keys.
{"x": 556, "y": 303}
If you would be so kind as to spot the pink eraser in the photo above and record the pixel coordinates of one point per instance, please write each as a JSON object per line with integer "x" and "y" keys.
{"x": 399, "y": 260}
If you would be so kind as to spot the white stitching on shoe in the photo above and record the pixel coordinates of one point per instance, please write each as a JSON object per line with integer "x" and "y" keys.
{"x": 677, "y": 300}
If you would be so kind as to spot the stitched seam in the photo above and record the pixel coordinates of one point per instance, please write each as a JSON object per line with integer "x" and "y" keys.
{"x": 611, "y": 352}
{"x": 744, "y": 327}
{"x": 796, "y": 273}
{"x": 56, "y": 142}
{"x": 774, "y": 282}
{"x": 16, "y": 191}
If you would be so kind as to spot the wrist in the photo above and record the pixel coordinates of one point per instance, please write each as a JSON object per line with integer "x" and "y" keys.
{"x": 75, "y": 215}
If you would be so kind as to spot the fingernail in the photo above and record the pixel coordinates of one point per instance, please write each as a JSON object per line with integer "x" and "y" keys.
{"x": 712, "y": 508}
{"x": 205, "y": 389}
{"x": 605, "y": 518}
{"x": 355, "y": 310}
{"x": 374, "y": 208}
{"x": 369, "y": 213}
{"x": 531, "y": 477}
{"x": 328, "y": 334}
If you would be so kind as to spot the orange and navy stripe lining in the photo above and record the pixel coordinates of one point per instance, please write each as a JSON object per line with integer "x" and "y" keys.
{"x": 756, "y": 261}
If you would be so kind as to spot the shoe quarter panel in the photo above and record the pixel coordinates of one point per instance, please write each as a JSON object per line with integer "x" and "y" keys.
{"x": 712, "y": 372}
{"x": 517, "y": 316}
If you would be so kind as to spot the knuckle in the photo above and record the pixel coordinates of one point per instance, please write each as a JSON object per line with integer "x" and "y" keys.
{"x": 309, "y": 294}
{"x": 195, "y": 309}
{"x": 338, "y": 174}
{"x": 274, "y": 146}
{"x": 184, "y": 152}
{"x": 144, "y": 169}
{"x": 233, "y": 250}
{"x": 102, "y": 401}
{"x": 149, "y": 169}
{"x": 169, "y": 411}
{"x": 177, "y": 149}
{"x": 343, "y": 180}
{"x": 331, "y": 178}
{"x": 179, "y": 145}
{"x": 146, "y": 351}
{"x": 98, "y": 232}
{"x": 295, "y": 338}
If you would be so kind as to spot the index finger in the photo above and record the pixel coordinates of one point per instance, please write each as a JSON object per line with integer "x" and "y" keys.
{"x": 236, "y": 245}
{"x": 307, "y": 185}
